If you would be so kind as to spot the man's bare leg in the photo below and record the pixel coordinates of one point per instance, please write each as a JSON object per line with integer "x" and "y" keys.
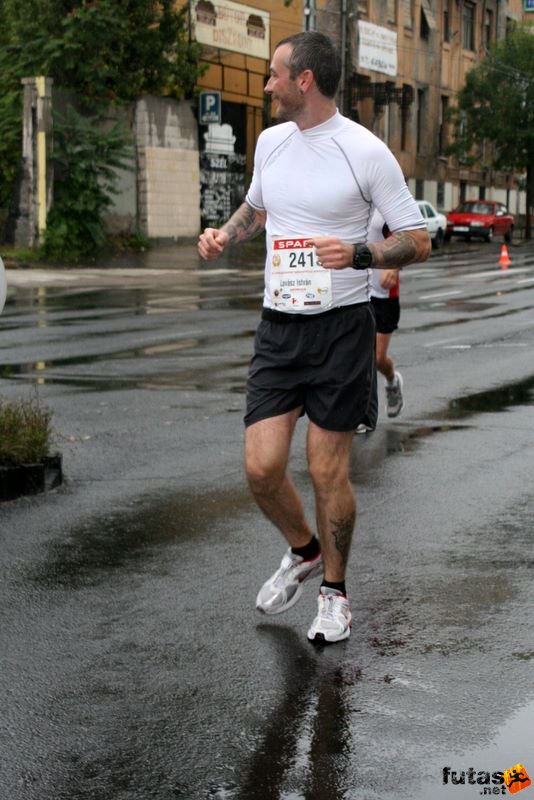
{"x": 267, "y": 445}
{"x": 328, "y": 459}
{"x": 384, "y": 362}
{"x": 267, "y": 454}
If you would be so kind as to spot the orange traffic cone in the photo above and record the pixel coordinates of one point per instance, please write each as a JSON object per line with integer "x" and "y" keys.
{"x": 505, "y": 259}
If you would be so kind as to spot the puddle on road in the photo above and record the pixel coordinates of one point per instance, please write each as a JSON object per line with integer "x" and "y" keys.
{"x": 112, "y": 541}
{"x": 370, "y": 450}
{"x": 456, "y": 321}
{"x": 189, "y": 378}
{"x": 192, "y": 292}
{"x": 491, "y": 401}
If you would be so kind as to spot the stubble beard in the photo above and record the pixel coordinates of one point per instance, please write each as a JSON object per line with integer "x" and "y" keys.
{"x": 288, "y": 112}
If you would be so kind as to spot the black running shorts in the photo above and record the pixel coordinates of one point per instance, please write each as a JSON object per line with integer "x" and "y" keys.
{"x": 387, "y": 313}
{"x": 322, "y": 362}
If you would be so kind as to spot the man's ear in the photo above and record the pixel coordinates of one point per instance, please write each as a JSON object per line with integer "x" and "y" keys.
{"x": 305, "y": 80}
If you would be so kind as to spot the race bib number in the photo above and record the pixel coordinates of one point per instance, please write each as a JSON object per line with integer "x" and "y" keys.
{"x": 298, "y": 281}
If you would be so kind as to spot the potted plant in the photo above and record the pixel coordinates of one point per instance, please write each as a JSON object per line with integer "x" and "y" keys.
{"x": 26, "y": 465}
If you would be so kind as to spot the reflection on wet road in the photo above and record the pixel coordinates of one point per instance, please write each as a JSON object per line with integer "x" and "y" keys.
{"x": 133, "y": 662}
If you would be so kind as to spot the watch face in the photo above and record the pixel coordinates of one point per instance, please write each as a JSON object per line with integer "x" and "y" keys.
{"x": 366, "y": 258}
{"x": 363, "y": 257}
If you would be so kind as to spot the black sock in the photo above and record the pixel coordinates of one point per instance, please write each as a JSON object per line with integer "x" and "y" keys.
{"x": 338, "y": 585}
{"x": 309, "y": 551}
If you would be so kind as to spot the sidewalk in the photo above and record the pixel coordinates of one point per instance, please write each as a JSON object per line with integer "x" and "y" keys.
{"x": 161, "y": 264}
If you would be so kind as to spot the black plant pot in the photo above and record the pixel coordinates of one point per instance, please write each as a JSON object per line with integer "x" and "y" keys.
{"x": 30, "y": 478}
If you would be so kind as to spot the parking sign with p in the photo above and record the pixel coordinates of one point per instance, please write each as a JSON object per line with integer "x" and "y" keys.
{"x": 209, "y": 108}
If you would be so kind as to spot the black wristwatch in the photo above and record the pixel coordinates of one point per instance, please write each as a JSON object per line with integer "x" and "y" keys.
{"x": 362, "y": 258}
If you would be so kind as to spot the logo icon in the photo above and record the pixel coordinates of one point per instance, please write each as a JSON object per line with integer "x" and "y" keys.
{"x": 516, "y": 778}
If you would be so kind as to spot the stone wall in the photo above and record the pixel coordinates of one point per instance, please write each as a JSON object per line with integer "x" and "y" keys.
{"x": 168, "y": 174}
{"x": 159, "y": 195}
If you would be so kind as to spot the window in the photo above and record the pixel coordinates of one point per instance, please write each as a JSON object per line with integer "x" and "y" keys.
{"x": 408, "y": 14}
{"x": 488, "y": 28}
{"x": 424, "y": 27}
{"x": 405, "y": 114}
{"x": 419, "y": 188}
{"x": 440, "y": 195}
{"x": 392, "y": 10}
{"x": 443, "y": 138}
{"x": 421, "y": 120}
{"x": 468, "y": 32}
{"x": 446, "y": 21}
{"x": 389, "y": 124}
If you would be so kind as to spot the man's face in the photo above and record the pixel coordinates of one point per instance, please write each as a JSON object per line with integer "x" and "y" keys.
{"x": 281, "y": 88}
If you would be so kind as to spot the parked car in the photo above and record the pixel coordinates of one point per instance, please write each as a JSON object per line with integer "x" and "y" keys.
{"x": 484, "y": 218}
{"x": 436, "y": 222}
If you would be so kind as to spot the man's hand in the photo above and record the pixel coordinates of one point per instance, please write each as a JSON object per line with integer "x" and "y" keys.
{"x": 332, "y": 253}
{"x": 388, "y": 278}
{"x": 211, "y": 243}
{"x": 243, "y": 225}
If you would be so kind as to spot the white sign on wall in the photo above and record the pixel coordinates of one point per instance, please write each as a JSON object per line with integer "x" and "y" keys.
{"x": 231, "y": 26}
{"x": 377, "y": 48}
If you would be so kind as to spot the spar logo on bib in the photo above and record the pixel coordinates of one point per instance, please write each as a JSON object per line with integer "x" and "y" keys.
{"x": 289, "y": 244}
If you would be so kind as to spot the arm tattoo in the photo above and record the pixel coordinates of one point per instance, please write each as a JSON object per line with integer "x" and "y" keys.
{"x": 403, "y": 247}
{"x": 342, "y": 532}
{"x": 244, "y": 224}
{"x": 399, "y": 250}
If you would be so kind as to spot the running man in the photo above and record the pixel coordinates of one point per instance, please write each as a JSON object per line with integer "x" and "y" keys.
{"x": 385, "y": 299}
{"x": 317, "y": 178}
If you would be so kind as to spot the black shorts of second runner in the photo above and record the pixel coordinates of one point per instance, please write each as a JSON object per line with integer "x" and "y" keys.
{"x": 322, "y": 362}
{"x": 387, "y": 313}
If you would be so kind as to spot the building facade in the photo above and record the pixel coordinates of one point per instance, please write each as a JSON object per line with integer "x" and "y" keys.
{"x": 404, "y": 62}
{"x": 237, "y": 41}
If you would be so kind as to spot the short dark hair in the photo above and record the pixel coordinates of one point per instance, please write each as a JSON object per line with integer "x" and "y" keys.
{"x": 315, "y": 51}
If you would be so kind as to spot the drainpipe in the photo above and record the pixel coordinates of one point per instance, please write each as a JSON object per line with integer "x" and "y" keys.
{"x": 343, "y": 47}
{"x": 310, "y": 15}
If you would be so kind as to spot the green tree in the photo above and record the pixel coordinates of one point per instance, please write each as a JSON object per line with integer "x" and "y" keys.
{"x": 497, "y": 105}
{"x": 116, "y": 50}
{"x": 106, "y": 51}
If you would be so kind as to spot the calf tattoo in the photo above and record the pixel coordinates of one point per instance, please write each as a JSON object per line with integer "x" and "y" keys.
{"x": 342, "y": 532}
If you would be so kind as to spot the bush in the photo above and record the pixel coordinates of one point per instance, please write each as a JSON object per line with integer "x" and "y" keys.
{"x": 86, "y": 160}
{"x": 25, "y": 432}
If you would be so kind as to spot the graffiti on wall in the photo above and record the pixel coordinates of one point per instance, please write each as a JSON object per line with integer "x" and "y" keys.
{"x": 222, "y": 176}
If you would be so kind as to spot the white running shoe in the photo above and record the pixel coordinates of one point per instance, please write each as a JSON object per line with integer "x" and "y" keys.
{"x": 394, "y": 398}
{"x": 333, "y": 620}
{"x": 363, "y": 428}
{"x": 284, "y": 588}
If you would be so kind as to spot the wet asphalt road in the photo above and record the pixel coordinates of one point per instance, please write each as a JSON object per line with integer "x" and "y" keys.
{"x": 133, "y": 664}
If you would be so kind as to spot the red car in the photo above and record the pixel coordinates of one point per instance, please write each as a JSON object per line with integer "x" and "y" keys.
{"x": 484, "y": 218}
